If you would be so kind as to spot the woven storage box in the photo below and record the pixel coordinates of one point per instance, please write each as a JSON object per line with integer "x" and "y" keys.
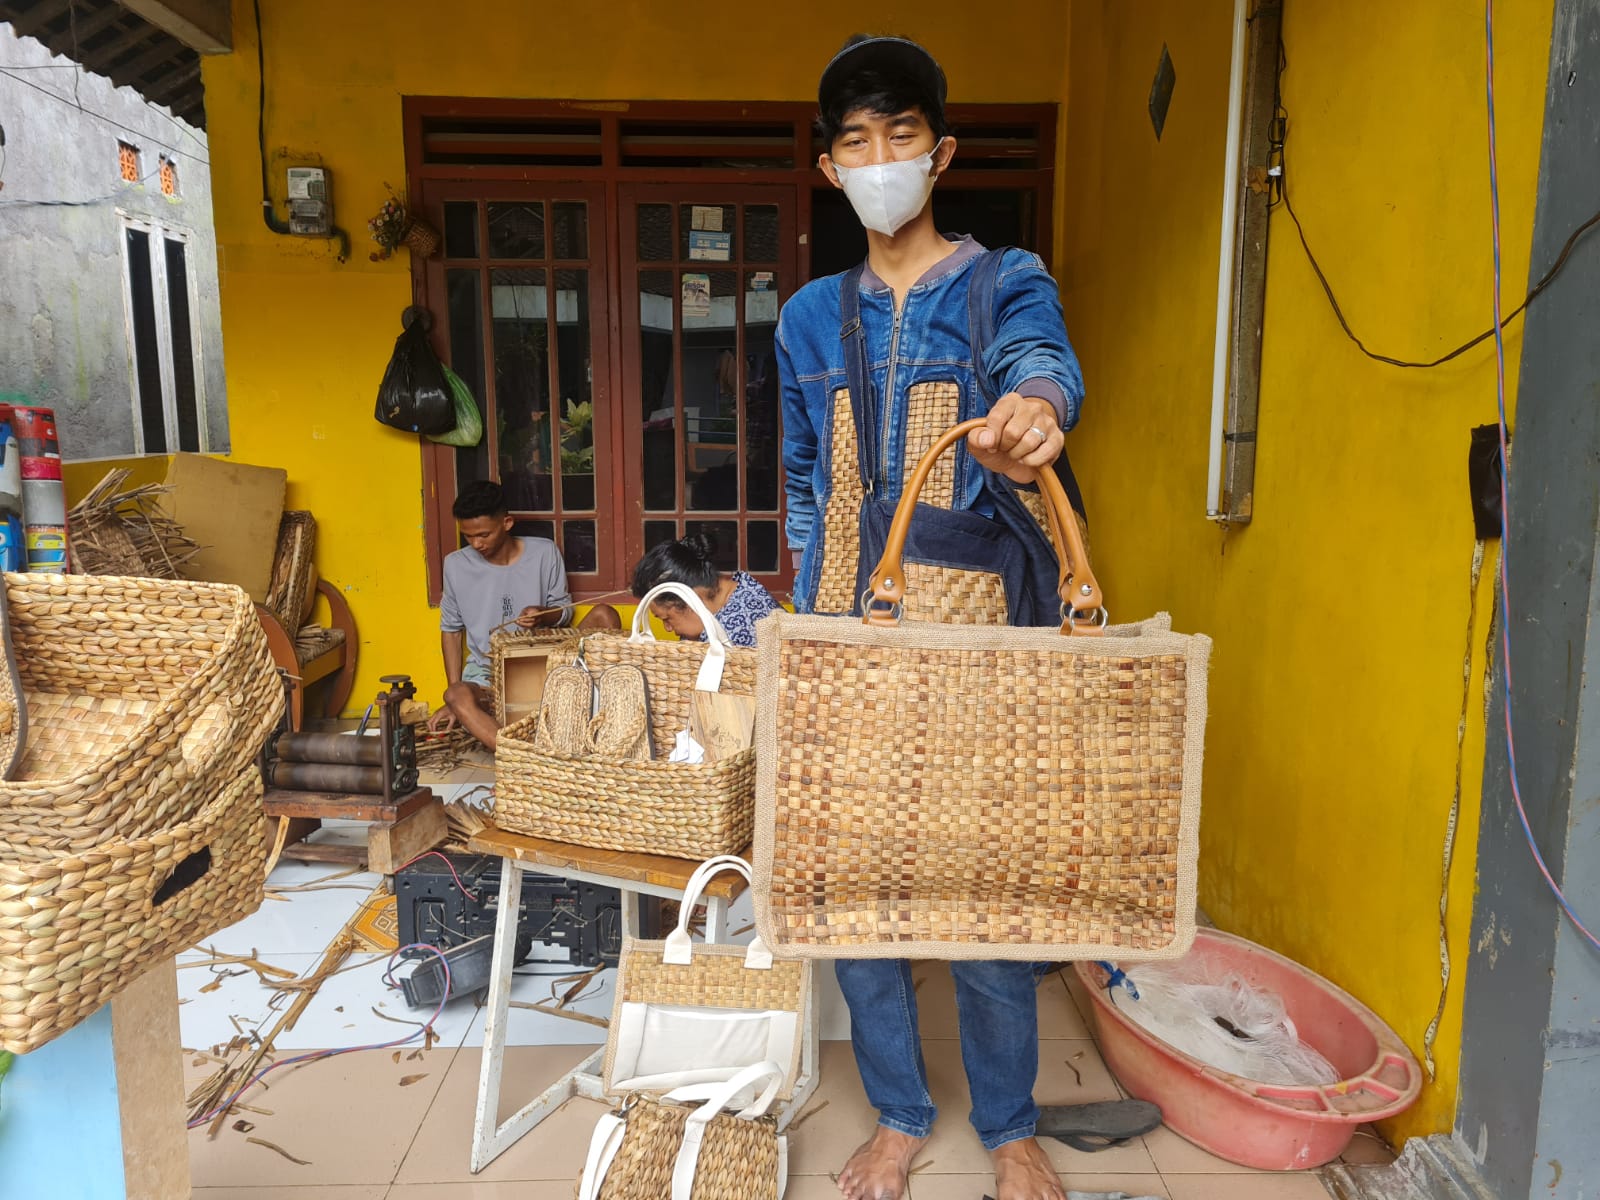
{"x": 77, "y": 927}
{"x": 143, "y": 698}
{"x": 946, "y": 791}
{"x": 655, "y": 807}
{"x": 651, "y": 807}
{"x": 517, "y": 645}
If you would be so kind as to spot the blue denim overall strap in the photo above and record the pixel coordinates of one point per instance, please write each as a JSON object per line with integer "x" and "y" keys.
{"x": 980, "y": 329}
{"x": 858, "y": 374}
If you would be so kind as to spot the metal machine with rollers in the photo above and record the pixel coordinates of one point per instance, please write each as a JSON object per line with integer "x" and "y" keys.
{"x": 314, "y": 777}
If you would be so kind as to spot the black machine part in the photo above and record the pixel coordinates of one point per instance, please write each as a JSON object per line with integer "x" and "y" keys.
{"x": 582, "y": 918}
{"x": 470, "y": 965}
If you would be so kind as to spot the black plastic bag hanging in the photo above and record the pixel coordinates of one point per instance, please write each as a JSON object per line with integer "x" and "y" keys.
{"x": 414, "y": 395}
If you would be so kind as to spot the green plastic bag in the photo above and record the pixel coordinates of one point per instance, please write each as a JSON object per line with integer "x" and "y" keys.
{"x": 469, "y": 421}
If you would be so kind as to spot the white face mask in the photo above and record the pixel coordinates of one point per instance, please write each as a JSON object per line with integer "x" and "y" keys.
{"x": 888, "y": 195}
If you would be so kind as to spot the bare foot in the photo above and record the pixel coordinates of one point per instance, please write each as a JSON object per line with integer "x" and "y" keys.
{"x": 879, "y": 1169}
{"x": 1022, "y": 1172}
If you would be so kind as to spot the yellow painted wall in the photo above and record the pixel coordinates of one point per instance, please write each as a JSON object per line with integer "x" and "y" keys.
{"x": 307, "y": 339}
{"x": 1340, "y": 614}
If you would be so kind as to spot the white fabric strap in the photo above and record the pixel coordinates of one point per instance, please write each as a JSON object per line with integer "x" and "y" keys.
{"x": 694, "y": 1128}
{"x": 679, "y": 947}
{"x": 603, "y": 1147}
{"x": 783, "y": 1165}
{"x": 717, "y": 640}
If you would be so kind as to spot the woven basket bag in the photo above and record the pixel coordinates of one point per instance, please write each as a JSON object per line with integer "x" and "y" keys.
{"x": 143, "y": 697}
{"x": 942, "y": 791}
{"x": 680, "y": 810}
{"x": 77, "y": 927}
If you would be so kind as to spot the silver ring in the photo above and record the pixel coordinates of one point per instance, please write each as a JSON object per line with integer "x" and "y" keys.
{"x": 1042, "y": 435}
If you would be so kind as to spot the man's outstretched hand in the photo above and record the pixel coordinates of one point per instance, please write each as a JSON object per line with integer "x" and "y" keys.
{"x": 1020, "y": 436}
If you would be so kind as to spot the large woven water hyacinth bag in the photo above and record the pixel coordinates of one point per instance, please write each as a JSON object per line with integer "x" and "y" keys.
{"x": 989, "y": 792}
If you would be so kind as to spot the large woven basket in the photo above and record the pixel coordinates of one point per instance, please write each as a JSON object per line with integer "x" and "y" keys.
{"x": 144, "y": 697}
{"x": 75, "y": 928}
{"x": 650, "y": 807}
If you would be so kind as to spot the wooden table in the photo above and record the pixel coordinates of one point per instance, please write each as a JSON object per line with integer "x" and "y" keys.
{"x": 634, "y": 875}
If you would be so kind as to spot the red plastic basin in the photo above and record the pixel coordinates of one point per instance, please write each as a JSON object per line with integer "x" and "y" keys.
{"x": 1263, "y": 1125}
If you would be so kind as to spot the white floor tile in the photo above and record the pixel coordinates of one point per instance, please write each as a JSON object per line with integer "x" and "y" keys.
{"x": 296, "y": 922}
{"x": 216, "y": 1017}
{"x": 527, "y": 1028}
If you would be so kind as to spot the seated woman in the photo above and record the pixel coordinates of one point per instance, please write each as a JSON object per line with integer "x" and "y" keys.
{"x": 738, "y": 601}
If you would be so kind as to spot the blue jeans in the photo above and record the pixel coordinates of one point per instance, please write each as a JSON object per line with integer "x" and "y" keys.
{"x": 998, "y": 1007}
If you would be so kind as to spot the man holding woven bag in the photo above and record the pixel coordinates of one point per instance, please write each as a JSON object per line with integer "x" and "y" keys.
{"x": 874, "y": 365}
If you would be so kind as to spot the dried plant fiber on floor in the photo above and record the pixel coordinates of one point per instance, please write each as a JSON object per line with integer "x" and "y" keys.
{"x": 956, "y": 792}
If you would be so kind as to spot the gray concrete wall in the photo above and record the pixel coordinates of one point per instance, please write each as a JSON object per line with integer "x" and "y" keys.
{"x": 1530, "y": 1070}
{"x": 64, "y": 336}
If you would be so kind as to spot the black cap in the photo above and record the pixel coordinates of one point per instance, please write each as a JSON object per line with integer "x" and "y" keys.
{"x": 889, "y": 55}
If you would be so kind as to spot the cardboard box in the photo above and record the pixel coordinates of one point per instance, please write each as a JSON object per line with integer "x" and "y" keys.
{"x": 233, "y": 510}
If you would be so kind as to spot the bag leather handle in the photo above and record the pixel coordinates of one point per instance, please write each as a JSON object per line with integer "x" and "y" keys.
{"x": 687, "y": 1162}
{"x": 678, "y": 948}
{"x": 1078, "y": 588}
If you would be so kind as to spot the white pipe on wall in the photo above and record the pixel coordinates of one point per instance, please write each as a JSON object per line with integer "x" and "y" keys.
{"x": 1226, "y": 264}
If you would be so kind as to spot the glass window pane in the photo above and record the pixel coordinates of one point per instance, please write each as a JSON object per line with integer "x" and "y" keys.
{"x": 711, "y": 395}
{"x": 761, "y": 233}
{"x": 146, "y": 343}
{"x": 724, "y": 539}
{"x": 706, "y": 232}
{"x": 516, "y": 230}
{"x": 571, "y": 229}
{"x": 182, "y": 346}
{"x": 464, "y": 301}
{"x": 534, "y": 528}
{"x": 762, "y": 431}
{"x": 575, "y": 378}
{"x": 519, "y": 307}
{"x": 761, "y": 546}
{"x": 657, "y": 532}
{"x": 657, "y": 391}
{"x": 655, "y": 233}
{"x": 578, "y": 546}
{"x": 461, "y": 229}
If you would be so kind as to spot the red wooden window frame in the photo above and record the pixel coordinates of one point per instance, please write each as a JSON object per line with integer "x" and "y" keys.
{"x": 439, "y": 462}
{"x": 599, "y": 158}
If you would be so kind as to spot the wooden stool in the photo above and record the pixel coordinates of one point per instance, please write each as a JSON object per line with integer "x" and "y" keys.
{"x": 398, "y": 832}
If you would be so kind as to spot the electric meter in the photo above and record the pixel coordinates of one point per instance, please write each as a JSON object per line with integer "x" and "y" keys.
{"x": 310, "y": 202}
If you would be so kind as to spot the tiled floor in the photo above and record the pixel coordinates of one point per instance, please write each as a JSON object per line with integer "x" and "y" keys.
{"x": 397, "y": 1123}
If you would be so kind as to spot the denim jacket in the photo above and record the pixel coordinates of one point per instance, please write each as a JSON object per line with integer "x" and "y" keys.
{"x": 921, "y": 361}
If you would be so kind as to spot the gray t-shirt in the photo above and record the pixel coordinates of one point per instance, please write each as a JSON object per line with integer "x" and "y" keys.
{"x": 479, "y": 597}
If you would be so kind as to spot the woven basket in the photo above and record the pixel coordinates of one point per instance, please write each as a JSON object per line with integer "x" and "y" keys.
{"x": 652, "y": 807}
{"x": 141, "y": 696}
{"x": 939, "y": 791}
{"x": 293, "y": 589}
{"x": 76, "y": 928}
{"x": 738, "y": 1160}
{"x": 422, "y": 239}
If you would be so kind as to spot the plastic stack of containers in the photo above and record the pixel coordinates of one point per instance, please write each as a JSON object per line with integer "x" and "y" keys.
{"x": 13, "y": 555}
{"x": 40, "y": 503}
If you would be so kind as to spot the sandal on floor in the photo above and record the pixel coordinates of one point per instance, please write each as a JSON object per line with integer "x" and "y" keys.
{"x": 564, "y": 713}
{"x": 13, "y": 708}
{"x": 1092, "y": 1127}
{"x": 621, "y": 729}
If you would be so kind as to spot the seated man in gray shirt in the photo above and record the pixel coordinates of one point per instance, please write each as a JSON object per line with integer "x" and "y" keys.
{"x": 492, "y": 581}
